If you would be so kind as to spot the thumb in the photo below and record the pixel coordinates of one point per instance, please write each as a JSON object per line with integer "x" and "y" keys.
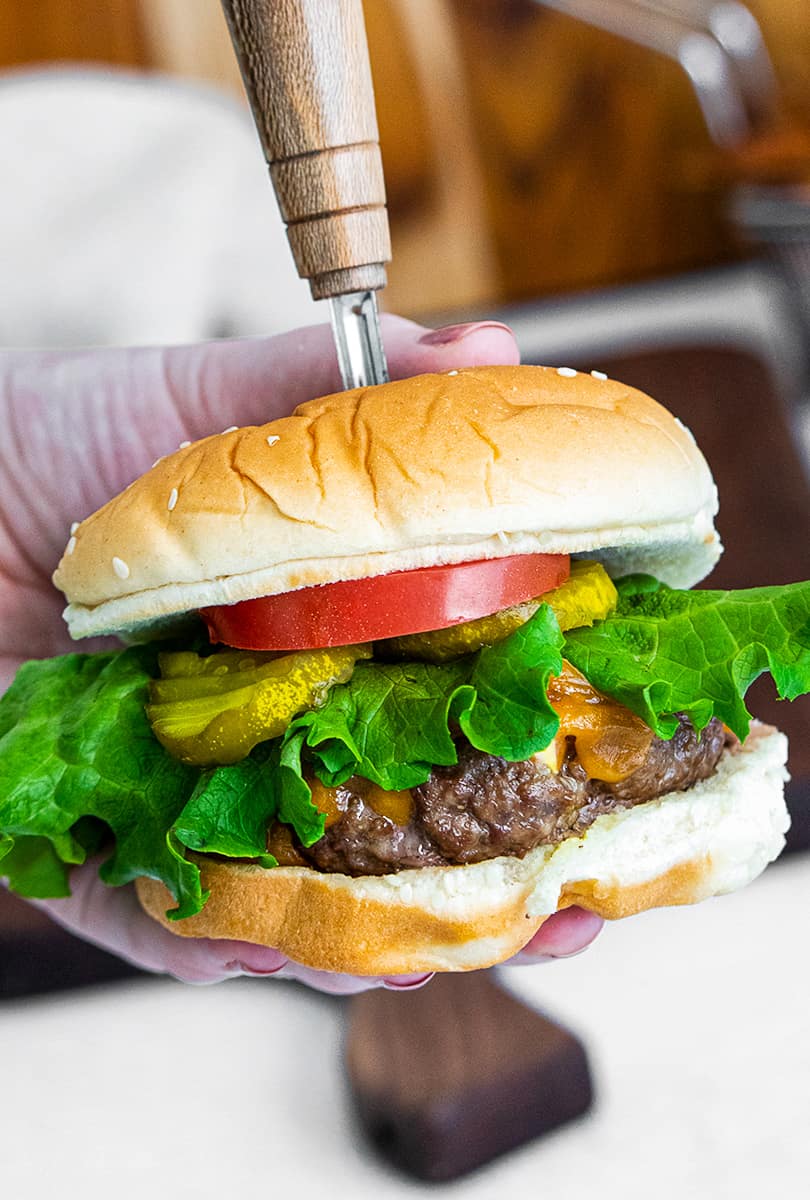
{"x": 102, "y": 417}
{"x": 251, "y": 381}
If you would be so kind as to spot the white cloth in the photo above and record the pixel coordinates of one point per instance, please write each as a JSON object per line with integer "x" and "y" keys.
{"x": 135, "y": 209}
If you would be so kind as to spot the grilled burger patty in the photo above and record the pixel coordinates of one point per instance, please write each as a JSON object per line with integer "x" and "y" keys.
{"x": 484, "y": 806}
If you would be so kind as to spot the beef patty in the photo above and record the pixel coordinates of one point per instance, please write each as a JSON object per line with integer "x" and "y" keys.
{"x": 484, "y": 806}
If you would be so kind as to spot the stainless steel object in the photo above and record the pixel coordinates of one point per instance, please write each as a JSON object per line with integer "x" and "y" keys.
{"x": 736, "y": 30}
{"x": 356, "y": 329}
{"x": 717, "y": 44}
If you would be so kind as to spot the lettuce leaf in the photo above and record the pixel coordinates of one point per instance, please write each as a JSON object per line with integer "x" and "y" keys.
{"x": 75, "y": 744}
{"x": 230, "y": 810}
{"x": 665, "y": 651}
{"x": 80, "y": 769}
{"x": 37, "y": 870}
{"x": 392, "y": 722}
{"x": 78, "y": 759}
{"x": 504, "y": 709}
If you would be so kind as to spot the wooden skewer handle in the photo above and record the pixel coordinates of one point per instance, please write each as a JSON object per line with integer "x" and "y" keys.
{"x": 306, "y": 72}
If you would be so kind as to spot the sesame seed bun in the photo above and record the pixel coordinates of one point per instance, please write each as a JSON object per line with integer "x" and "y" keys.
{"x": 477, "y": 463}
{"x": 680, "y": 848}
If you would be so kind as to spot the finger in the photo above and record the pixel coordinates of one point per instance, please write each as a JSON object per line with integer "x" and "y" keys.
{"x": 102, "y": 417}
{"x": 113, "y": 919}
{"x": 120, "y": 410}
{"x": 564, "y": 934}
{"x": 478, "y": 343}
{"x": 345, "y": 985}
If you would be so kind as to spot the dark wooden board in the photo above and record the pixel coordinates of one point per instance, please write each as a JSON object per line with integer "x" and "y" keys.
{"x": 449, "y": 1077}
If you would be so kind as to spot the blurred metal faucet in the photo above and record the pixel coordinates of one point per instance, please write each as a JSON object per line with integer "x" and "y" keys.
{"x": 717, "y": 43}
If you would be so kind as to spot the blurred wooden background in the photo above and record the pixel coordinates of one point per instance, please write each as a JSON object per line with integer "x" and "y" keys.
{"x": 525, "y": 153}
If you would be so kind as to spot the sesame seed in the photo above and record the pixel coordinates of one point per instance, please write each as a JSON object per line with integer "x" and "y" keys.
{"x": 452, "y": 372}
{"x": 231, "y": 429}
{"x": 120, "y": 567}
{"x": 183, "y": 445}
{"x": 272, "y": 439}
{"x": 158, "y": 460}
{"x": 73, "y": 528}
{"x": 568, "y": 372}
{"x": 502, "y": 537}
{"x": 599, "y": 375}
{"x": 172, "y": 498}
{"x": 71, "y": 546}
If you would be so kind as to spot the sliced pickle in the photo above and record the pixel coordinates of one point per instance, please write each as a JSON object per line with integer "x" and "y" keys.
{"x": 588, "y": 595}
{"x": 244, "y": 670}
{"x": 213, "y": 711}
{"x": 440, "y": 645}
{"x": 185, "y": 664}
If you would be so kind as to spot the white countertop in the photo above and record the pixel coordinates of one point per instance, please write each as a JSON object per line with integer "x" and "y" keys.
{"x": 696, "y": 1021}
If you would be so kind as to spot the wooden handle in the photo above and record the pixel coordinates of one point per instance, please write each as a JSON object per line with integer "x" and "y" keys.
{"x": 306, "y": 72}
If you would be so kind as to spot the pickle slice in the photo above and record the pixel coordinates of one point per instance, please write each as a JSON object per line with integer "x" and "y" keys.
{"x": 213, "y": 711}
{"x": 588, "y": 595}
{"x": 185, "y": 664}
{"x": 237, "y": 670}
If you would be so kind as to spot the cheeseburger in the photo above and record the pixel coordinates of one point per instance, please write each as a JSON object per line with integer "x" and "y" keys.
{"x": 407, "y": 672}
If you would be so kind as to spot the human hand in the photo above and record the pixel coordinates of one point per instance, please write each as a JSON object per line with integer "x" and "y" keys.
{"x": 79, "y": 427}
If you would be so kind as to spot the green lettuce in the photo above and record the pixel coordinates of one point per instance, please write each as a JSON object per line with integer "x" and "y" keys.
{"x": 78, "y": 761}
{"x": 392, "y": 722}
{"x": 664, "y": 651}
{"x": 230, "y": 809}
{"x": 81, "y": 773}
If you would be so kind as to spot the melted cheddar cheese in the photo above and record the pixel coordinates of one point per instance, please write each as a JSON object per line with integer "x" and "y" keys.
{"x": 610, "y": 744}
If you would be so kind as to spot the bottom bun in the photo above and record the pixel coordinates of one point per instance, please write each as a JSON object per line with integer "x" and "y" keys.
{"x": 715, "y": 837}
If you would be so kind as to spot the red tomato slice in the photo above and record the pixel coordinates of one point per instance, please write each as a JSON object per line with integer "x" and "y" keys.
{"x": 382, "y": 606}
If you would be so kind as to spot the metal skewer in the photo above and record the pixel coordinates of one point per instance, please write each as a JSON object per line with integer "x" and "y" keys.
{"x": 306, "y": 72}
{"x": 356, "y": 329}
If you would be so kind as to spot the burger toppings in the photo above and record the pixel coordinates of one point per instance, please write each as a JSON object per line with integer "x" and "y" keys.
{"x": 213, "y": 710}
{"x": 482, "y": 806}
{"x": 587, "y": 595}
{"x": 405, "y": 743}
{"x": 216, "y": 709}
{"x": 611, "y": 741}
{"x": 384, "y": 606}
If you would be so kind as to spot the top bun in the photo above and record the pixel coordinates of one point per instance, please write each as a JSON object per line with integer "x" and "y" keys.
{"x": 471, "y": 464}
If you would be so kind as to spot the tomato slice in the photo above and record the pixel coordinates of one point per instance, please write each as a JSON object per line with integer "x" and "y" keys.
{"x": 382, "y": 606}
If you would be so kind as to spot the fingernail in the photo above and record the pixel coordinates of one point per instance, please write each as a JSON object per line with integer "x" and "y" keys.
{"x": 404, "y": 983}
{"x": 248, "y": 969}
{"x": 452, "y": 334}
{"x": 521, "y": 959}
